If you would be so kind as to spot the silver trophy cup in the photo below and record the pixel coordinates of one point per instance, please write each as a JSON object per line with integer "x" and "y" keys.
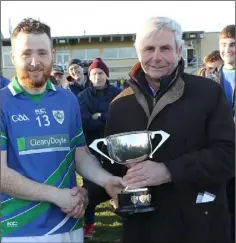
{"x": 128, "y": 148}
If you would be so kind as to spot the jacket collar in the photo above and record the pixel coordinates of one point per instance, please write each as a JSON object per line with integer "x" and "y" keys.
{"x": 171, "y": 92}
{"x": 137, "y": 75}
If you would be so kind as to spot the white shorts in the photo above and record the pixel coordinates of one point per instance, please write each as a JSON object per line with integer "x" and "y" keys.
{"x": 76, "y": 236}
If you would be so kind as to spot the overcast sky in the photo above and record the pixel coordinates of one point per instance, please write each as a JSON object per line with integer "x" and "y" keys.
{"x": 72, "y": 18}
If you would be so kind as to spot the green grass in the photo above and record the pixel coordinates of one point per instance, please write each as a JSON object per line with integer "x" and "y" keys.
{"x": 108, "y": 224}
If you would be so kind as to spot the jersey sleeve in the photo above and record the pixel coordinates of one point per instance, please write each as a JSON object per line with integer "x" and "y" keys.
{"x": 80, "y": 139}
{"x": 3, "y": 133}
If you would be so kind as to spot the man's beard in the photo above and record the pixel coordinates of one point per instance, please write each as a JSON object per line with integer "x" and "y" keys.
{"x": 27, "y": 81}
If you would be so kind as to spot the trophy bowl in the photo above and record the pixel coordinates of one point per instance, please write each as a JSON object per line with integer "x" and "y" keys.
{"x": 127, "y": 149}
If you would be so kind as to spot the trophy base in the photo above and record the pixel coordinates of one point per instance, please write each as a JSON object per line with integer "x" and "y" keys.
{"x": 134, "y": 210}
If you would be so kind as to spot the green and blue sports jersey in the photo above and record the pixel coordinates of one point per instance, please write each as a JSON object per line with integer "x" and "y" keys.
{"x": 40, "y": 137}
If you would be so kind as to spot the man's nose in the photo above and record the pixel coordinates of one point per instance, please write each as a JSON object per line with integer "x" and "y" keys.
{"x": 156, "y": 55}
{"x": 34, "y": 61}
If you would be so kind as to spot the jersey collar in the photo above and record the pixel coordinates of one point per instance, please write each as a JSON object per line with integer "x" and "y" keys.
{"x": 16, "y": 89}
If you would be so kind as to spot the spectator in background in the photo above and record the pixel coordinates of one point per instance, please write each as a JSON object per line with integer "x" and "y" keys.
{"x": 94, "y": 103}
{"x": 4, "y": 82}
{"x": 202, "y": 72}
{"x": 226, "y": 76}
{"x": 77, "y": 81}
{"x": 58, "y": 74}
{"x": 125, "y": 85}
{"x": 227, "y": 70}
{"x": 212, "y": 62}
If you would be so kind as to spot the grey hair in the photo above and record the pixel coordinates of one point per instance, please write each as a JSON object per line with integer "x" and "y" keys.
{"x": 156, "y": 24}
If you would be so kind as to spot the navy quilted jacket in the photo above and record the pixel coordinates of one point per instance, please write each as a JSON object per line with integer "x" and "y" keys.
{"x": 92, "y": 101}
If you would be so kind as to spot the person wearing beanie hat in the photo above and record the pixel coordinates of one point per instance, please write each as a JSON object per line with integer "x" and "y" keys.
{"x": 94, "y": 103}
{"x": 98, "y": 63}
{"x": 98, "y": 73}
{"x": 226, "y": 76}
{"x": 77, "y": 81}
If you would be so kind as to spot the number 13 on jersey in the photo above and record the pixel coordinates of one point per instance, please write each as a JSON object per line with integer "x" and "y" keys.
{"x": 43, "y": 120}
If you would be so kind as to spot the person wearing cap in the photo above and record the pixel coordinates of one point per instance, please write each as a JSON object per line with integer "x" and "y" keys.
{"x": 94, "y": 103}
{"x": 58, "y": 74}
{"x": 77, "y": 81}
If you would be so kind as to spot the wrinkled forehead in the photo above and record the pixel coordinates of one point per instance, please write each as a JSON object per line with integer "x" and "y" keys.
{"x": 76, "y": 67}
{"x": 31, "y": 41}
{"x": 163, "y": 37}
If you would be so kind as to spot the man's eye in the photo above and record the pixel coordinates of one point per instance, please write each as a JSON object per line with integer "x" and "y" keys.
{"x": 42, "y": 53}
{"x": 165, "y": 48}
{"x": 26, "y": 54}
{"x": 150, "y": 48}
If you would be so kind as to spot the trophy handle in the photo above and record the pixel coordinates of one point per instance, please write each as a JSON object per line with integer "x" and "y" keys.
{"x": 94, "y": 146}
{"x": 164, "y": 136}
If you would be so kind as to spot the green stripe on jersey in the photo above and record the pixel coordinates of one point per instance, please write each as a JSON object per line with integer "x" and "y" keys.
{"x": 36, "y": 211}
{"x": 14, "y": 204}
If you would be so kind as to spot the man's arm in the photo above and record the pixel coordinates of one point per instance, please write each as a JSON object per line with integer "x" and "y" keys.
{"x": 18, "y": 186}
{"x": 90, "y": 168}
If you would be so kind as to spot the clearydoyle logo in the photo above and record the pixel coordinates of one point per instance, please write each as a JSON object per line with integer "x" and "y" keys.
{"x": 19, "y": 118}
{"x": 41, "y": 144}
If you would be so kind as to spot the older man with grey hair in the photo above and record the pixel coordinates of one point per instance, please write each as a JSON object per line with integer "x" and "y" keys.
{"x": 188, "y": 173}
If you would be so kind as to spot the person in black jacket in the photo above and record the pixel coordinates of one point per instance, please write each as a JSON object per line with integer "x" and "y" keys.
{"x": 94, "y": 103}
{"x": 77, "y": 80}
{"x": 198, "y": 157}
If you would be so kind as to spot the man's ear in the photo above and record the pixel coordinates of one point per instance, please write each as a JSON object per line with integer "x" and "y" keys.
{"x": 53, "y": 52}
{"x": 12, "y": 56}
{"x": 179, "y": 52}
